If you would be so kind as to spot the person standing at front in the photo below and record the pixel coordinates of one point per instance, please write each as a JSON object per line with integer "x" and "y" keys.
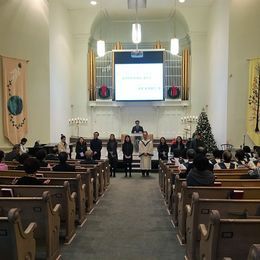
{"x": 112, "y": 154}
{"x": 96, "y": 146}
{"x": 127, "y": 149}
{"x": 145, "y": 154}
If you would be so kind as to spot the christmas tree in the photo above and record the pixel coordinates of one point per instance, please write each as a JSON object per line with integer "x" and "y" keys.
{"x": 204, "y": 128}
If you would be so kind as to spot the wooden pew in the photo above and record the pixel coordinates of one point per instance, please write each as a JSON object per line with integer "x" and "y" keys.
{"x": 59, "y": 195}
{"x": 209, "y": 192}
{"x": 86, "y": 179}
{"x": 47, "y": 217}
{"x": 230, "y": 238}
{"x": 16, "y": 243}
{"x": 198, "y": 213}
{"x": 98, "y": 179}
{"x": 238, "y": 182}
{"x": 75, "y": 186}
{"x": 176, "y": 188}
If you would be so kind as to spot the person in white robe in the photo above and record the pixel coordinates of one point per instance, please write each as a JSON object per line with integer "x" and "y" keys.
{"x": 145, "y": 154}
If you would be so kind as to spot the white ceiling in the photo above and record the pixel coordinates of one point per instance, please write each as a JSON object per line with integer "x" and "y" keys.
{"x": 118, "y": 8}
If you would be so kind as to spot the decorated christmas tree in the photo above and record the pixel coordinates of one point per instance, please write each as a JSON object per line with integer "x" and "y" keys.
{"x": 204, "y": 128}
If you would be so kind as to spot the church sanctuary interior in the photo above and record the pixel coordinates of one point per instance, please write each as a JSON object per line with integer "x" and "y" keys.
{"x": 166, "y": 97}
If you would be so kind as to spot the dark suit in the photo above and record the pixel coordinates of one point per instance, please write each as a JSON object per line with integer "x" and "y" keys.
{"x": 138, "y": 129}
{"x": 64, "y": 167}
{"x": 96, "y": 146}
{"x": 29, "y": 180}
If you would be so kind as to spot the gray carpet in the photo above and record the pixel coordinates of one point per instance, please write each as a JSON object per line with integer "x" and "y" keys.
{"x": 129, "y": 222}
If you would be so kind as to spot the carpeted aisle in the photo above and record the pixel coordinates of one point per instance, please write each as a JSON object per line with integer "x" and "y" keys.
{"x": 130, "y": 222}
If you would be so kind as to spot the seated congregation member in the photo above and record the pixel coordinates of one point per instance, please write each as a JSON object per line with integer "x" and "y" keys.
{"x": 178, "y": 147}
{"x": 240, "y": 158}
{"x": 200, "y": 175}
{"x": 31, "y": 166}
{"x": 88, "y": 158}
{"x": 63, "y": 166}
{"x": 248, "y": 155}
{"x": 3, "y": 166}
{"x": 22, "y": 158}
{"x": 41, "y": 155}
{"x": 226, "y": 163}
{"x": 145, "y": 154}
{"x": 96, "y": 146}
{"x": 81, "y": 148}
{"x": 23, "y": 148}
{"x": 127, "y": 149}
{"x": 190, "y": 154}
{"x": 14, "y": 154}
{"x": 112, "y": 154}
{"x": 217, "y": 154}
{"x": 255, "y": 173}
{"x": 163, "y": 150}
{"x": 53, "y": 155}
{"x": 63, "y": 146}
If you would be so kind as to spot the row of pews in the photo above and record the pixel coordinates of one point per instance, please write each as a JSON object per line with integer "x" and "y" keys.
{"x": 50, "y": 212}
{"x": 215, "y": 222}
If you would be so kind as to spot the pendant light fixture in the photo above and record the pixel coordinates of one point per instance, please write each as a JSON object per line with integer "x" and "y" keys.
{"x": 101, "y": 46}
{"x": 136, "y": 28}
{"x": 175, "y": 45}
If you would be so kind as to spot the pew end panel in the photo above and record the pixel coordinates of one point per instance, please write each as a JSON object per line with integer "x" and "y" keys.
{"x": 220, "y": 236}
{"x": 16, "y": 243}
{"x": 40, "y": 211}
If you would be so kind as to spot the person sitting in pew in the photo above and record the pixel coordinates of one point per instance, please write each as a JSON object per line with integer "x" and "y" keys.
{"x": 88, "y": 158}
{"x": 40, "y": 156}
{"x": 14, "y": 154}
{"x": 22, "y": 158}
{"x": 255, "y": 173}
{"x": 3, "y": 166}
{"x": 191, "y": 154}
{"x": 240, "y": 158}
{"x": 63, "y": 166}
{"x": 217, "y": 154}
{"x": 53, "y": 155}
{"x": 200, "y": 175}
{"x": 226, "y": 164}
{"x": 248, "y": 155}
{"x": 31, "y": 166}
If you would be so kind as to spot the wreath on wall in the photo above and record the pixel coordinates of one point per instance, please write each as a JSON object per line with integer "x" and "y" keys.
{"x": 173, "y": 92}
{"x": 103, "y": 91}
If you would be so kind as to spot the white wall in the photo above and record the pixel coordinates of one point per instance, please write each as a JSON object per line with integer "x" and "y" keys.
{"x": 161, "y": 121}
{"x": 24, "y": 31}
{"x": 244, "y": 44}
{"x": 218, "y": 43}
{"x": 61, "y": 70}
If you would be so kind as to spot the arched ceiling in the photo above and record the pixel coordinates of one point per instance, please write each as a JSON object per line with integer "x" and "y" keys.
{"x": 118, "y": 9}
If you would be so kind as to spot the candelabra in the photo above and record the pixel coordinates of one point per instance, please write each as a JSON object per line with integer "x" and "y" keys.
{"x": 77, "y": 121}
{"x": 188, "y": 122}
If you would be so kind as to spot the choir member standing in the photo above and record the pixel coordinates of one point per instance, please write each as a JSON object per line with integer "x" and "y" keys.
{"x": 127, "y": 149}
{"x": 163, "y": 150}
{"x": 96, "y": 146}
{"x": 81, "y": 148}
{"x": 63, "y": 146}
{"x": 178, "y": 147}
{"x": 145, "y": 154}
{"x": 112, "y": 154}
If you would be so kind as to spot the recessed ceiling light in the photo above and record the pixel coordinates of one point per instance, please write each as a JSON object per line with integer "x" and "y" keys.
{"x": 181, "y": 1}
{"x": 93, "y": 2}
